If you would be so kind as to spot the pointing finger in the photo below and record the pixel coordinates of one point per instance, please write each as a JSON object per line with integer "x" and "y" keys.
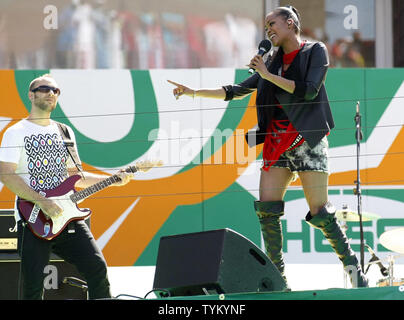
{"x": 174, "y": 83}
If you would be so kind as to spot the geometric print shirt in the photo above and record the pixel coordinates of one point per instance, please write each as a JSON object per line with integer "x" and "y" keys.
{"x": 41, "y": 157}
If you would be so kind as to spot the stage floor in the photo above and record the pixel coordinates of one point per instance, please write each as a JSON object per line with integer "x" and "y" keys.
{"x": 307, "y": 281}
{"x": 382, "y": 293}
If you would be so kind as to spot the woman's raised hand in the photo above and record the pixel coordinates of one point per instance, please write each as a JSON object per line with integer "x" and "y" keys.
{"x": 180, "y": 89}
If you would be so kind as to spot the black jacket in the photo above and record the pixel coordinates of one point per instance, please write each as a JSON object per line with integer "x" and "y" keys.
{"x": 307, "y": 108}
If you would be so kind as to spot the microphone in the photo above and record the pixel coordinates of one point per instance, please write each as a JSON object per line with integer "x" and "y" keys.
{"x": 383, "y": 270}
{"x": 263, "y": 48}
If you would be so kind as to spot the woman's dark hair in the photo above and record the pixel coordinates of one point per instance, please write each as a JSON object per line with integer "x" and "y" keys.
{"x": 289, "y": 12}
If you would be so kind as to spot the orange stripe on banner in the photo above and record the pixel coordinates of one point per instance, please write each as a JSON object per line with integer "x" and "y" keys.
{"x": 389, "y": 172}
{"x": 10, "y": 102}
{"x": 158, "y": 198}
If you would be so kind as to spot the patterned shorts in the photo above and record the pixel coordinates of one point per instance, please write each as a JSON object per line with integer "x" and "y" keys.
{"x": 303, "y": 158}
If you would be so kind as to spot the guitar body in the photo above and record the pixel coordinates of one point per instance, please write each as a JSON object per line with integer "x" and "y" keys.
{"x": 48, "y": 228}
{"x": 66, "y": 197}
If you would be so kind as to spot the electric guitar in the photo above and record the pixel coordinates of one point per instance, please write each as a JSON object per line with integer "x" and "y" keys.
{"x": 67, "y": 198}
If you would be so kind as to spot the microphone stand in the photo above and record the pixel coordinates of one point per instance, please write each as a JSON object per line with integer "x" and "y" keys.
{"x": 357, "y": 190}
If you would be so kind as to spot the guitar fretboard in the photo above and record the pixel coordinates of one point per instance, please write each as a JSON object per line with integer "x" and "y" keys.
{"x": 82, "y": 194}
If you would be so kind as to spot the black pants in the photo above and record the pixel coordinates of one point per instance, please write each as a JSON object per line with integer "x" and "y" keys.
{"x": 78, "y": 248}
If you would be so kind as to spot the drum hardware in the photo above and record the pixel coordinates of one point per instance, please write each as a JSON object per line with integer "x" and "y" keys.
{"x": 390, "y": 280}
{"x": 376, "y": 260}
{"x": 394, "y": 241}
{"x": 347, "y": 215}
{"x": 391, "y": 269}
{"x": 386, "y": 282}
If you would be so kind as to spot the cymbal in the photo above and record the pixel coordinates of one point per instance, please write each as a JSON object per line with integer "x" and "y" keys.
{"x": 351, "y": 215}
{"x": 393, "y": 240}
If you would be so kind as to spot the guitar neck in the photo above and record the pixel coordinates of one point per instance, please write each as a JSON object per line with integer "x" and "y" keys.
{"x": 85, "y": 193}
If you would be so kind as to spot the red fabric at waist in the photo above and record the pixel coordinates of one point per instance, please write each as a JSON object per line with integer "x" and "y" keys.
{"x": 279, "y": 138}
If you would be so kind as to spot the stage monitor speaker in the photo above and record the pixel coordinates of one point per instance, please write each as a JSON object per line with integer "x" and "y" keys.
{"x": 213, "y": 262}
{"x": 9, "y": 278}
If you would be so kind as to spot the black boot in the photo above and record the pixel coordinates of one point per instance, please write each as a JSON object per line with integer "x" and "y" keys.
{"x": 325, "y": 221}
{"x": 269, "y": 214}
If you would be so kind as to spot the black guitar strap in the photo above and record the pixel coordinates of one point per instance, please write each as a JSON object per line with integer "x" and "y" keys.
{"x": 64, "y": 132}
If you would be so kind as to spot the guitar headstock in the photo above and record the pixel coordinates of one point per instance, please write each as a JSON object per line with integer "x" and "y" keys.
{"x": 144, "y": 166}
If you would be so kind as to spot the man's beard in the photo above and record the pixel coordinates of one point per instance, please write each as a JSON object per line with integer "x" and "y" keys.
{"x": 44, "y": 105}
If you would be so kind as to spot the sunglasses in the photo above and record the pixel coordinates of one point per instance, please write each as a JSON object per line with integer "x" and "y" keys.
{"x": 47, "y": 89}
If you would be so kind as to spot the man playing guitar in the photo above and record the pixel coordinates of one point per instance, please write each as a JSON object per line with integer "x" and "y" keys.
{"x": 34, "y": 159}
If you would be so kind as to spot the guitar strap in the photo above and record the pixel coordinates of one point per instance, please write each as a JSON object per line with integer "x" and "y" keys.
{"x": 64, "y": 132}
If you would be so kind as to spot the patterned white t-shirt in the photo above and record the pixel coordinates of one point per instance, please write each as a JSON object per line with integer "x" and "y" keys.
{"x": 41, "y": 157}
